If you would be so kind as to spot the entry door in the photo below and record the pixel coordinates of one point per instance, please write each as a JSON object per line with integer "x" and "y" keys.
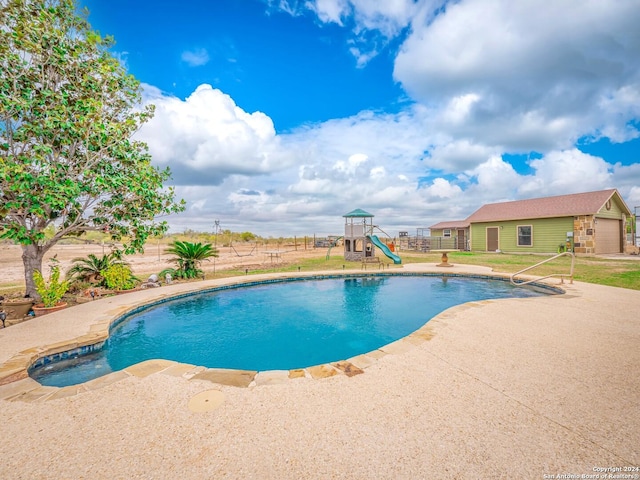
{"x": 462, "y": 241}
{"x": 492, "y": 239}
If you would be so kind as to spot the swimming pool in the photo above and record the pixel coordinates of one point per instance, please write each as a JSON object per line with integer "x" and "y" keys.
{"x": 278, "y": 325}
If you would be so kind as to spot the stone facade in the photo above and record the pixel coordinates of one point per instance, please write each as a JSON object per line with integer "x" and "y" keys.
{"x": 630, "y": 249}
{"x": 353, "y": 256}
{"x": 584, "y": 239}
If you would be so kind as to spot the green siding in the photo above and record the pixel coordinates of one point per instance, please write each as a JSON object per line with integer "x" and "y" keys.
{"x": 479, "y": 237}
{"x": 439, "y": 232}
{"x": 548, "y": 234}
{"x": 614, "y": 212}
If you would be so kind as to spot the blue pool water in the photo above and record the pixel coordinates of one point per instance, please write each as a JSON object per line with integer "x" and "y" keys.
{"x": 278, "y": 326}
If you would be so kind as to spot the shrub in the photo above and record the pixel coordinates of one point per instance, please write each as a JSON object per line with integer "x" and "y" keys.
{"x": 188, "y": 258}
{"x": 89, "y": 269}
{"x": 119, "y": 277}
{"x": 52, "y": 293}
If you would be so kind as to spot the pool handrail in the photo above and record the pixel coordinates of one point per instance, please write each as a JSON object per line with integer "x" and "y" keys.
{"x": 561, "y": 275}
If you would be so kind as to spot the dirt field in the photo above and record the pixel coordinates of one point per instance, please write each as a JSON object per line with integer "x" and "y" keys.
{"x": 154, "y": 259}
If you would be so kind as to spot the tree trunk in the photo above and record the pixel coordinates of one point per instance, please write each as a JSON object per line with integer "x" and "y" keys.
{"x": 32, "y": 256}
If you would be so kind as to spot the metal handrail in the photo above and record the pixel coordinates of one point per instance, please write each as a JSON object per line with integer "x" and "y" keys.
{"x": 561, "y": 275}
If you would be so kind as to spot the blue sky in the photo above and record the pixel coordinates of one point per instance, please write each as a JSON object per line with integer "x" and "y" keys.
{"x": 279, "y": 116}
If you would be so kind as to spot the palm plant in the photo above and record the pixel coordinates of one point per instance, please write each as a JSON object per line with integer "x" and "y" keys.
{"x": 88, "y": 269}
{"x": 188, "y": 258}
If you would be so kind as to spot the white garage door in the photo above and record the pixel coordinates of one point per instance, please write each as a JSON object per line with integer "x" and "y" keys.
{"x": 608, "y": 236}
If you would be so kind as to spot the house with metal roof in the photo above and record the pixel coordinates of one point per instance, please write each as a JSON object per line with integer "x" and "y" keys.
{"x": 586, "y": 223}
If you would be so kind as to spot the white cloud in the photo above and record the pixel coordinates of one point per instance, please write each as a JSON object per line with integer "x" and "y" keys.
{"x": 485, "y": 83}
{"x": 495, "y": 177}
{"x": 206, "y": 138}
{"x": 569, "y": 171}
{"x": 574, "y": 74}
{"x": 459, "y": 108}
{"x": 633, "y": 198}
{"x": 232, "y": 166}
{"x": 458, "y": 155}
{"x": 387, "y": 17}
{"x": 350, "y": 167}
{"x": 627, "y": 180}
{"x": 195, "y": 58}
{"x": 330, "y": 10}
{"x": 617, "y": 107}
{"x": 373, "y": 23}
{"x": 444, "y": 189}
{"x": 377, "y": 173}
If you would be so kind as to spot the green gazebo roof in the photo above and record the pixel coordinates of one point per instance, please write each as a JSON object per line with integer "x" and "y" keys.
{"x": 357, "y": 213}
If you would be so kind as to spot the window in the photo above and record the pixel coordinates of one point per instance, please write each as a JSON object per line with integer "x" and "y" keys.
{"x": 525, "y": 235}
{"x": 446, "y": 232}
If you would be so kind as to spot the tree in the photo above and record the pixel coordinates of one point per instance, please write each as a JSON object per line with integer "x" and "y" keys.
{"x": 68, "y": 112}
{"x": 188, "y": 257}
{"x": 247, "y": 236}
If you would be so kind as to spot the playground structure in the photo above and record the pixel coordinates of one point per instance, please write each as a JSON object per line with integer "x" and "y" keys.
{"x": 360, "y": 242}
{"x": 333, "y": 243}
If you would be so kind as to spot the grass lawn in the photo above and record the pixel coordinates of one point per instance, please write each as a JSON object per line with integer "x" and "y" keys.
{"x": 613, "y": 272}
{"x": 624, "y": 273}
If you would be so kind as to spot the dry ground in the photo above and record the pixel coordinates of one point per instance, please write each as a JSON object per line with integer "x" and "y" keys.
{"x": 153, "y": 260}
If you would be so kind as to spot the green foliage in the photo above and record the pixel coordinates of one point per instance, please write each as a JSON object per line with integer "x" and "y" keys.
{"x": 89, "y": 269}
{"x": 119, "y": 277}
{"x": 50, "y": 231}
{"x": 188, "y": 258}
{"x": 52, "y": 293}
{"x": 223, "y": 237}
{"x": 68, "y": 112}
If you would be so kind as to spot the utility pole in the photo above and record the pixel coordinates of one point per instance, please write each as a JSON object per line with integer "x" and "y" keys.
{"x": 216, "y": 226}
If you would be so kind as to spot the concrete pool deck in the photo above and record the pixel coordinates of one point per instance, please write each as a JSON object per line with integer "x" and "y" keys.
{"x": 517, "y": 388}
